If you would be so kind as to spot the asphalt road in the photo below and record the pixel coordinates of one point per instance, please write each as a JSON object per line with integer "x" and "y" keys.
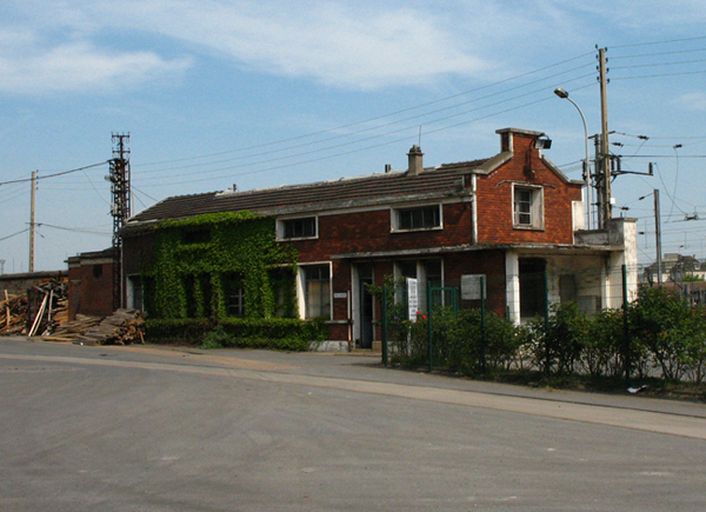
{"x": 102, "y": 429}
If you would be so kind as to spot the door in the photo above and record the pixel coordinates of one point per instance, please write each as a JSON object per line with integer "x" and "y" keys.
{"x": 365, "y": 309}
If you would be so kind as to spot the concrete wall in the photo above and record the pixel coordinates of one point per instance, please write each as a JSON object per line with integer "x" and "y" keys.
{"x": 17, "y": 284}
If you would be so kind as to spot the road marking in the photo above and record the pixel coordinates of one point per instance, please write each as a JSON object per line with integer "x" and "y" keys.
{"x": 656, "y": 422}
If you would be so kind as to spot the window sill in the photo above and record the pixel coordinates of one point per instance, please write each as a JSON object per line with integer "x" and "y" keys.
{"x": 417, "y": 230}
{"x": 528, "y": 228}
{"x": 296, "y": 239}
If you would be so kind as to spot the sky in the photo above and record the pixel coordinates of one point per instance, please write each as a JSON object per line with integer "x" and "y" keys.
{"x": 262, "y": 94}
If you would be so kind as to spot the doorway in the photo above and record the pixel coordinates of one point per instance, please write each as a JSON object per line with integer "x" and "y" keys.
{"x": 532, "y": 287}
{"x": 365, "y": 305}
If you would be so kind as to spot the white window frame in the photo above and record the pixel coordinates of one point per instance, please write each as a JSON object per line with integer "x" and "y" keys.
{"x": 131, "y": 289}
{"x": 536, "y": 207}
{"x": 301, "y": 287}
{"x": 395, "y": 218}
{"x": 280, "y": 228}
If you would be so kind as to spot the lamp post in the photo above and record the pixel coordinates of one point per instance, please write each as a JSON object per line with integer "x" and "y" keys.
{"x": 564, "y": 95}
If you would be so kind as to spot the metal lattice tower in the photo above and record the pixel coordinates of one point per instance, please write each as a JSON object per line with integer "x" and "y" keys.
{"x": 120, "y": 205}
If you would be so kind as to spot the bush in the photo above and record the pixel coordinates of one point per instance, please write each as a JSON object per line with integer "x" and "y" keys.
{"x": 601, "y": 348}
{"x": 189, "y": 330}
{"x": 220, "y": 338}
{"x": 669, "y": 329}
{"x": 277, "y": 333}
{"x": 458, "y": 342}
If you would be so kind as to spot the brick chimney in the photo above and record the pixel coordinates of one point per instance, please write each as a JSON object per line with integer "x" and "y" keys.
{"x": 416, "y": 161}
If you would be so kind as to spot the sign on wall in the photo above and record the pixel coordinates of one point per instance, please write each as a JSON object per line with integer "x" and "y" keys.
{"x": 472, "y": 285}
{"x": 412, "y": 299}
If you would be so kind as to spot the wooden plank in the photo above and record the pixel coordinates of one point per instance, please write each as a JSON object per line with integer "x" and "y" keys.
{"x": 7, "y": 309}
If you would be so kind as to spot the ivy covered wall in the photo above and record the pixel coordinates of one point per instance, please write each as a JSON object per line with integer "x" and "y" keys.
{"x": 196, "y": 259}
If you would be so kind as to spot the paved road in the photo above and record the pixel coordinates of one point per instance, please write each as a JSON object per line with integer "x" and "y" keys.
{"x": 84, "y": 428}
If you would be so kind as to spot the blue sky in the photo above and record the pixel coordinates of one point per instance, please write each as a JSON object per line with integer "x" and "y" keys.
{"x": 268, "y": 93}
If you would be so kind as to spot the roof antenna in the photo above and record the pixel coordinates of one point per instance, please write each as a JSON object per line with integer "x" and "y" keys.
{"x": 420, "y": 136}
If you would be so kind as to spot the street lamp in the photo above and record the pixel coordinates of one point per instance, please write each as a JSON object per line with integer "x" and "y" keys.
{"x": 564, "y": 95}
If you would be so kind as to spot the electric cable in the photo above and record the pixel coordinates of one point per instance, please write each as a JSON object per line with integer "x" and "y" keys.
{"x": 56, "y": 174}
{"x": 383, "y": 116}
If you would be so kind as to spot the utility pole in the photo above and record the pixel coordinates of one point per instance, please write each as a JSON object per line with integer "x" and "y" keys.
{"x": 120, "y": 207}
{"x": 605, "y": 206}
{"x": 32, "y": 223}
{"x": 658, "y": 237}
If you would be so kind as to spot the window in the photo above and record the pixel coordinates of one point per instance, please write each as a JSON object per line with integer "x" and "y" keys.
{"x": 317, "y": 291}
{"x": 134, "y": 292}
{"x": 197, "y": 288}
{"x": 233, "y": 294}
{"x": 527, "y": 207}
{"x": 305, "y": 227}
{"x": 97, "y": 271}
{"x": 283, "y": 287}
{"x": 196, "y": 236}
{"x": 423, "y": 217}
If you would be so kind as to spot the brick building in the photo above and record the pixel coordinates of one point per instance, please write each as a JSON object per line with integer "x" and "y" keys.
{"x": 514, "y": 218}
{"x": 91, "y": 283}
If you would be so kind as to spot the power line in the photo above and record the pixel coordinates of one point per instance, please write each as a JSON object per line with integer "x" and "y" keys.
{"x": 657, "y": 54}
{"x": 14, "y": 234}
{"x": 377, "y": 118}
{"x": 658, "y": 64}
{"x": 663, "y": 41}
{"x": 289, "y": 163}
{"x": 660, "y": 75}
{"x": 376, "y": 127}
{"x": 74, "y": 229}
{"x": 328, "y": 157}
{"x": 54, "y": 175}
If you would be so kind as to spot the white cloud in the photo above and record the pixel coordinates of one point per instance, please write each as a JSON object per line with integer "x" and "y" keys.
{"x": 77, "y": 66}
{"x": 693, "y": 101}
{"x": 354, "y": 48}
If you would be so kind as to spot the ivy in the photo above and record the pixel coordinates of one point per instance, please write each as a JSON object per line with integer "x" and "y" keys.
{"x": 187, "y": 273}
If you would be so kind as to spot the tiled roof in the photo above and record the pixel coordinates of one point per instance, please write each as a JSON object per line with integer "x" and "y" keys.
{"x": 394, "y": 186}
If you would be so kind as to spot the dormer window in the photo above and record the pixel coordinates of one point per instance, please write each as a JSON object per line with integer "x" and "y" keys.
{"x": 527, "y": 207}
{"x": 417, "y": 218}
{"x": 298, "y": 228}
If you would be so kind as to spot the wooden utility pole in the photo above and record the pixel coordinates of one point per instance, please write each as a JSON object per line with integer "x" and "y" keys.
{"x": 658, "y": 237}
{"x": 606, "y": 210}
{"x": 32, "y": 224}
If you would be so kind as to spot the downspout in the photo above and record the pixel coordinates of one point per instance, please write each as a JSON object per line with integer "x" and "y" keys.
{"x": 474, "y": 210}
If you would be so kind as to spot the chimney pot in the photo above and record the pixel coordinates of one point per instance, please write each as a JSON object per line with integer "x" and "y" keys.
{"x": 416, "y": 161}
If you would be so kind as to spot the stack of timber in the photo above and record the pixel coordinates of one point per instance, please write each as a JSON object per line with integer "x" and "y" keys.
{"x": 40, "y": 311}
{"x": 70, "y": 331}
{"x": 47, "y": 307}
{"x": 14, "y": 314}
{"x": 123, "y": 327}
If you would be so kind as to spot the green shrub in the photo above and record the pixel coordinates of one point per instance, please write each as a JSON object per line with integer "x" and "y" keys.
{"x": 186, "y": 330}
{"x": 601, "y": 348}
{"x": 276, "y": 333}
{"x": 664, "y": 322}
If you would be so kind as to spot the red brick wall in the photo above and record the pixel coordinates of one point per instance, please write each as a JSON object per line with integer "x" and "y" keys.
{"x": 370, "y": 231}
{"x": 89, "y": 293}
{"x": 491, "y": 263}
{"x": 494, "y": 194}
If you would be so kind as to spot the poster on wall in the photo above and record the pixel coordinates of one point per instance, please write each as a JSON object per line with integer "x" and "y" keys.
{"x": 412, "y": 299}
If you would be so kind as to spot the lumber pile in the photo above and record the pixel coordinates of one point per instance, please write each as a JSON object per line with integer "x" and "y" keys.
{"x": 47, "y": 307}
{"x": 14, "y": 314}
{"x": 123, "y": 327}
{"x": 40, "y": 311}
{"x": 70, "y": 331}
